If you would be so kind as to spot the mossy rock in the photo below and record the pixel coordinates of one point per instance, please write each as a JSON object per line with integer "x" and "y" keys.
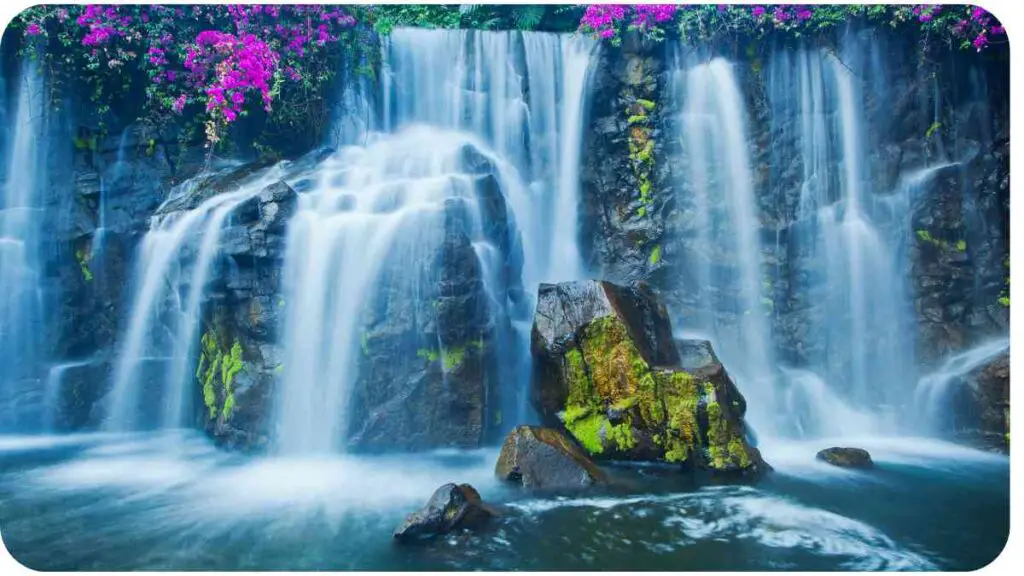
{"x": 543, "y": 458}
{"x": 846, "y": 457}
{"x": 610, "y": 374}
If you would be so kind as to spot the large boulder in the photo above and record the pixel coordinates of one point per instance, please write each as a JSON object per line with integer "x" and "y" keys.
{"x": 609, "y": 372}
{"x": 451, "y": 507}
{"x": 846, "y": 457}
{"x": 542, "y": 458}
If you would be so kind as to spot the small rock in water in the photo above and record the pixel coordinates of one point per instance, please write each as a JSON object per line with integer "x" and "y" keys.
{"x": 451, "y": 507}
{"x": 846, "y": 457}
{"x": 544, "y": 458}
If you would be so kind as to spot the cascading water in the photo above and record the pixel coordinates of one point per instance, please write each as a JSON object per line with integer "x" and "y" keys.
{"x": 729, "y": 265}
{"x": 932, "y": 395}
{"x": 522, "y": 93}
{"x": 171, "y": 278}
{"x": 856, "y": 242}
{"x": 20, "y": 214}
{"x": 515, "y": 98}
{"x": 382, "y": 206}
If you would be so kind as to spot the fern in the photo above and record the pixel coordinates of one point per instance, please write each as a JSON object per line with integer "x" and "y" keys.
{"x": 528, "y": 17}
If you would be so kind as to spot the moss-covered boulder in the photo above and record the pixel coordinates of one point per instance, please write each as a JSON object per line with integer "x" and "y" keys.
{"x": 543, "y": 458}
{"x": 609, "y": 372}
{"x": 846, "y": 457}
{"x": 451, "y": 507}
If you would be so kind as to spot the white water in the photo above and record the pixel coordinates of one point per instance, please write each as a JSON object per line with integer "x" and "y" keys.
{"x": 932, "y": 394}
{"x": 516, "y": 99}
{"x": 715, "y": 138}
{"x": 52, "y": 392}
{"x": 106, "y": 181}
{"x": 371, "y": 207}
{"x": 529, "y": 109}
{"x": 163, "y": 268}
{"x": 21, "y": 308}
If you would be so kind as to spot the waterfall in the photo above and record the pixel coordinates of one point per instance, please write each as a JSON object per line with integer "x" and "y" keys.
{"x": 21, "y": 307}
{"x": 718, "y": 178}
{"x": 52, "y": 392}
{"x": 162, "y": 322}
{"x": 524, "y": 94}
{"x": 932, "y": 393}
{"x": 510, "y": 101}
{"x": 116, "y": 171}
{"x": 374, "y": 209}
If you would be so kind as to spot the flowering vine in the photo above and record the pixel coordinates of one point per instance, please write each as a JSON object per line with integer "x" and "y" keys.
{"x": 221, "y": 62}
{"x": 965, "y": 26}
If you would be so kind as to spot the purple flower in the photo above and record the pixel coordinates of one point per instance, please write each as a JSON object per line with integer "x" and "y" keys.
{"x": 980, "y": 41}
{"x": 803, "y": 14}
{"x": 179, "y": 104}
{"x": 33, "y": 29}
{"x": 757, "y": 12}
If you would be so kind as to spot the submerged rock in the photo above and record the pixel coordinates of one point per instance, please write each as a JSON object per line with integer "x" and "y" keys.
{"x": 543, "y": 458}
{"x": 846, "y": 457}
{"x": 451, "y": 507}
{"x": 611, "y": 374}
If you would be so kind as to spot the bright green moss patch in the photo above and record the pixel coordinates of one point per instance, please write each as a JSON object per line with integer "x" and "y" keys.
{"x": 451, "y": 358}
{"x": 587, "y": 431}
{"x": 83, "y": 257}
{"x": 655, "y": 256}
{"x": 428, "y": 354}
{"x": 216, "y": 371}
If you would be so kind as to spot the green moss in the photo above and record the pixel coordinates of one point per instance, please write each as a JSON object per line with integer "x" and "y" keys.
{"x": 428, "y": 355}
{"x": 932, "y": 129}
{"x": 961, "y": 245}
{"x": 451, "y": 358}
{"x": 573, "y": 413}
{"x": 681, "y": 393}
{"x": 151, "y": 147}
{"x": 622, "y": 436}
{"x": 625, "y": 404}
{"x": 636, "y": 118}
{"x": 89, "y": 143}
{"x": 83, "y": 262}
{"x": 655, "y": 255}
{"x": 647, "y": 104}
{"x": 218, "y": 367}
{"x": 926, "y": 236}
{"x": 279, "y": 369}
{"x": 587, "y": 432}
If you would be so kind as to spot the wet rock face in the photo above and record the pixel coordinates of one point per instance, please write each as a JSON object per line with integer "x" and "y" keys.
{"x": 239, "y": 352}
{"x": 610, "y": 374}
{"x": 982, "y": 405}
{"x": 846, "y": 457}
{"x": 427, "y": 360}
{"x": 625, "y": 176}
{"x": 452, "y": 507}
{"x": 543, "y": 458}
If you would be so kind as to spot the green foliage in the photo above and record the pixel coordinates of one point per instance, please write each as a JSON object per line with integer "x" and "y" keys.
{"x": 83, "y": 256}
{"x": 932, "y": 129}
{"x": 451, "y": 358}
{"x": 428, "y": 354}
{"x": 546, "y": 17}
{"x": 217, "y": 366}
{"x": 655, "y": 255}
{"x": 961, "y": 245}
